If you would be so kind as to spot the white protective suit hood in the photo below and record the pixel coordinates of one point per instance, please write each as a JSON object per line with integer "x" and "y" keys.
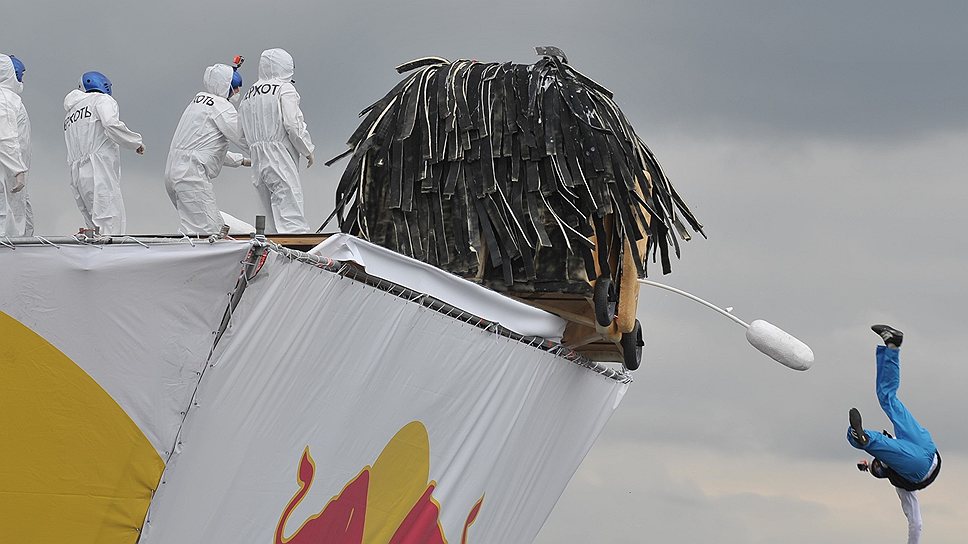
{"x": 218, "y": 79}
{"x": 8, "y": 74}
{"x": 276, "y": 64}
{"x": 73, "y": 98}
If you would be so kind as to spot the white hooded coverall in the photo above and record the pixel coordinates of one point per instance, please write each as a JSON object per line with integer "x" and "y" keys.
{"x": 276, "y": 132}
{"x": 15, "y": 213}
{"x": 94, "y": 133}
{"x": 198, "y": 151}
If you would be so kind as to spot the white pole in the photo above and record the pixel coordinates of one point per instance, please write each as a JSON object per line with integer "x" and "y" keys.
{"x": 697, "y": 299}
{"x": 769, "y": 339}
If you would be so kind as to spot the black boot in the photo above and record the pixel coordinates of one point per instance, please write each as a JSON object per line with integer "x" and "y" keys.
{"x": 890, "y": 335}
{"x": 857, "y": 427}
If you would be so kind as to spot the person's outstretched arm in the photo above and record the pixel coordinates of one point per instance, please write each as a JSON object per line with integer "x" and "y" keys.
{"x": 228, "y": 124}
{"x": 117, "y": 131}
{"x": 912, "y": 511}
{"x": 294, "y": 123}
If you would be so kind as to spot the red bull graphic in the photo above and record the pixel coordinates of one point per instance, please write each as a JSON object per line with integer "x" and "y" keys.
{"x": 389, "y": 502}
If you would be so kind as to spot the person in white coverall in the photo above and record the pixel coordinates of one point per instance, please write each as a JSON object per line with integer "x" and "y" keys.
{"x": 15, "y": 217}
{"x": 276, "y": 132}
{"x": 94, "y": 135}
{"x": 199, "y": 149}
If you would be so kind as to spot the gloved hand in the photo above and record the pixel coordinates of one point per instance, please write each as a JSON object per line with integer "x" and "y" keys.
{"x": 19, "y": 182}
{"x": 140, "y": 150}
{"x": 310, "y": 160}
{"x": 863, "y": 466}
{"x": 246, "y": 162}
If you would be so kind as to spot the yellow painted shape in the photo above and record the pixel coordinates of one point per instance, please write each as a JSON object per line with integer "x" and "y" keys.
{"x": 73, "y": 466}
{"x": 398, "y": 479}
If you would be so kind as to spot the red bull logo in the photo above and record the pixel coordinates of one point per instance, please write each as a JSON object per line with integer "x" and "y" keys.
{"x": 389, "y": 502}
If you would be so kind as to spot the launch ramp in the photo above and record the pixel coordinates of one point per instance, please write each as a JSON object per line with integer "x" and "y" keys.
{"x": 337, "y": 405}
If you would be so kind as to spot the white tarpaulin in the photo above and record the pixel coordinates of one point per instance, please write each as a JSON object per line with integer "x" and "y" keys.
{"x": 338, "y": 412}
{"x": 332, "y": 410}
{"x": 100, "y": 353}
{"x": 480, "y": 301}
{"x": 138, "y": 320}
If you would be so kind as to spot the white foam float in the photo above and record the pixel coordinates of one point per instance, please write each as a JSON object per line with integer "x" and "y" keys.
{"x": 766, "y": 337}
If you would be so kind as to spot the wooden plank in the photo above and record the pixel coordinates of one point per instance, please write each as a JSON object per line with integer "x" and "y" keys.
{"x": 628, "y": 284}
{"x": 575, "y": 311}
{"x": 628, "y": 296}
{"x": 602, "y": 352}
{"x": 302, "y": 242}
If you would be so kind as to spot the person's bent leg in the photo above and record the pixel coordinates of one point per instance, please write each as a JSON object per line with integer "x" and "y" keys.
{"x": 906, "y": 458}
{"x": 108, "y": 207}
{"x": 197, "y": 208}
{"x": 888, "y": 376}
{"x": 286, "y": 202}
{"x": 82, "y": 187}
{"x": 7, "y": 222}
{"x": 853, "y": 441}
{"x": 912, "y": 452}
{"x": 12, "y": 212}
{"x": 287, "y": 210}
{"x": 906, "y": 427}
{"x": 282, "y": 178}
{"x": 265, "y": 204}
{"x": 28, "y": 214}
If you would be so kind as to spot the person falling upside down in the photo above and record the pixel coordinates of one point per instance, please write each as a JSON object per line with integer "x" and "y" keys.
{"x": 909, "y": 459}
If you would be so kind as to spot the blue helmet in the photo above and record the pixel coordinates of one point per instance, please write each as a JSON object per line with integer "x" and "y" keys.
{"x": 236, "y": 81}
{"x": 18, "y": 68}
{"x": 96, "y": 82}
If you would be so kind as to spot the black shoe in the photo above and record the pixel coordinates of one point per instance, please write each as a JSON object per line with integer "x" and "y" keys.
{"x": 889, "y": 334}
{"x": 857, "y": 427}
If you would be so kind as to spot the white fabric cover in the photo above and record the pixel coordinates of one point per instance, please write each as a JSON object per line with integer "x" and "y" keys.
{"x": 94, "y": 134}
{"x": 331, "y": 366}
{"x": 276, "y": 131}
{"x": 138, "y": 320}
{"x": 236, "y": 225}
{"x": 14, "y": 154}
{"x": 430, "y": 280}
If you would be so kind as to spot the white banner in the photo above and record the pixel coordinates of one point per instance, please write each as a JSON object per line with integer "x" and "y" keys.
{"x": 100, "y": 352}
{"x": 337, "y": 412}
{"x": 138, "y": 320}
{"x": 421, "y": 277}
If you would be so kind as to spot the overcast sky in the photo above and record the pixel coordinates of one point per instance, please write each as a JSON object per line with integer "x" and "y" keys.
{"x": 824, "y": 145}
